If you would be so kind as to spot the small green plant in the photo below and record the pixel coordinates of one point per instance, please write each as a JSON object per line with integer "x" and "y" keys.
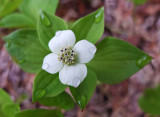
{"x": 150, "y": 101}
{"x": 74, "y": 52}
{"x": 9, "y": 109}
{"x": 26, "y": 16}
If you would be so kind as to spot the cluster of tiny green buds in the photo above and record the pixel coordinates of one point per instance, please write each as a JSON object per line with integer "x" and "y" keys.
{"x": 67, "y": 56}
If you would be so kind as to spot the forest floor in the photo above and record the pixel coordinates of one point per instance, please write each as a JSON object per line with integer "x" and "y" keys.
{"x": 139, "y": 25}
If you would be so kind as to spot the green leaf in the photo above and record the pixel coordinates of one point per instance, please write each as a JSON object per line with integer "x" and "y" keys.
{"x": 26, "y": 50}
{"x": 11, "y": 109}
{"x": 3, "y": 3}
{"x": 116, "y": 60}
{"x": 10, "y": 6}
{"x": 47, "y": 26}
{"x": 4, "y": 99}
{"x": 32, "y": 7}
{"x": 39, "y": 113}
{"x": 47, "y": 85}
{"x": 150, "y": 101}
{"x": 63, "y": 100}
{"x": 90, "y": 27}
{"x": 85, "y": 90}
{"x": 16, "y": 20}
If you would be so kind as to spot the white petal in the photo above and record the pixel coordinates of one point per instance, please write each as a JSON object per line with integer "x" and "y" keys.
{"x": 51, "y": 63}
{"x": 62, "y": 39}
{"x": 85, "y": 51}
{"x": 73, "y": 75}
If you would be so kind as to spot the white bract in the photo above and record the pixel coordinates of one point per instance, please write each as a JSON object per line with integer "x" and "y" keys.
{"x": 68, "y": 58}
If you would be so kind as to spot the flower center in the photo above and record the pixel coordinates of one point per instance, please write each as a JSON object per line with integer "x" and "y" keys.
{"x": 67, "y": 56}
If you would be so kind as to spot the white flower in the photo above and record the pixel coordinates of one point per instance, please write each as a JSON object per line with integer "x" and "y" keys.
{"x": 68, "y": 58}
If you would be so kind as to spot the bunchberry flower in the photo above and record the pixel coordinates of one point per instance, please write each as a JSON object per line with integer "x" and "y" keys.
{"x": 68, "y": 58}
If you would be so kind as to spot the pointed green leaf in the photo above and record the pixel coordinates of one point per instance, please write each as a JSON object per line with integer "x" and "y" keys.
{"x": 32, "y": 7}
{"x": 39, "y": 113}
{"x": 46, "y": 85}
{"x": 26, "y": 50}
{"x": 4, "y": 97}
{"x": 90, "y": 27}
{"x": 11, "y": 109}
{"x": 63, "y": 100}
{"x": 10, "y": 6}
{"x": 85, "y": 90}
{"x": 47, "y": 26}
{"x": 16, "y": 20}
{"x": 116, "y": 60}
{"x": 150, "y": 101}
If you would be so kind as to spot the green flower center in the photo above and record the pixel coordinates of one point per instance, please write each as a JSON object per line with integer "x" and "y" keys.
{"x": 67, "y": 56}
